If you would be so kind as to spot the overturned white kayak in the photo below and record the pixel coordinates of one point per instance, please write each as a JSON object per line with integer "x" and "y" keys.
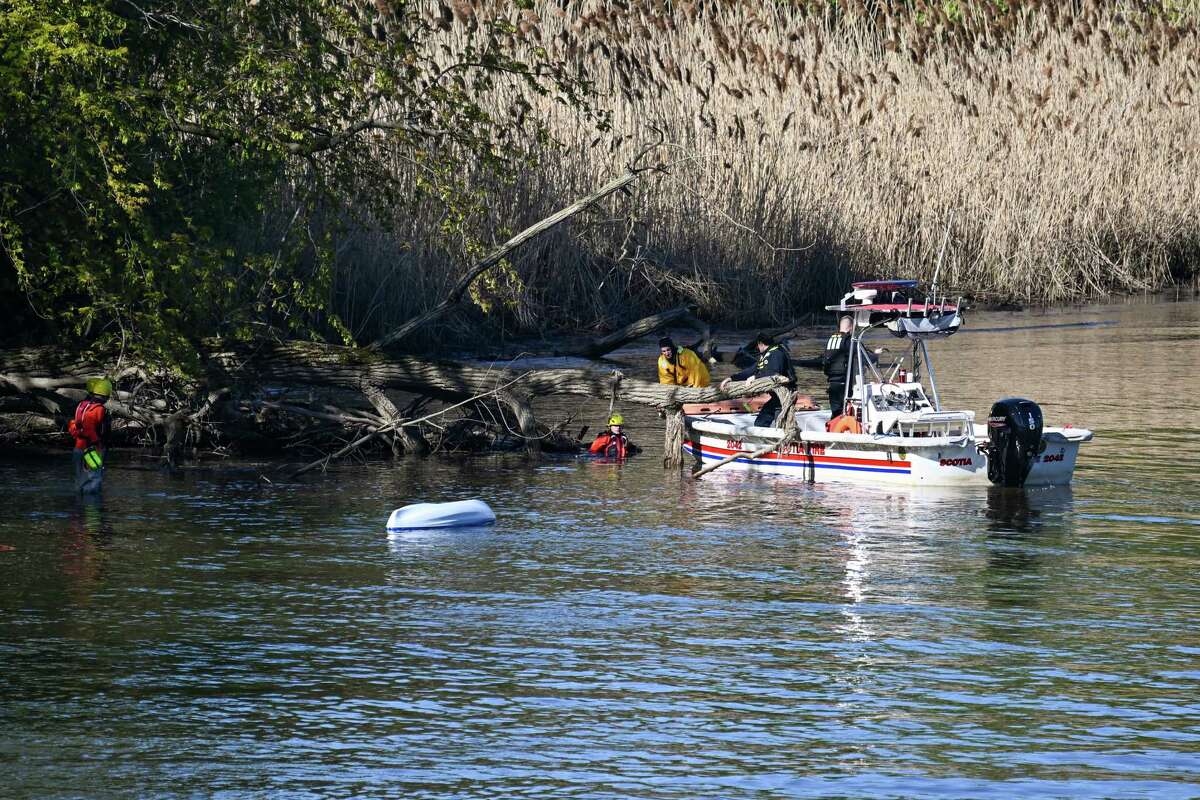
{"x": 459, "y": 514}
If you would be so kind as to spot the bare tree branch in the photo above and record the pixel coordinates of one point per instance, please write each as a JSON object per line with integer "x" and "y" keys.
{"x": 497, "y": 255}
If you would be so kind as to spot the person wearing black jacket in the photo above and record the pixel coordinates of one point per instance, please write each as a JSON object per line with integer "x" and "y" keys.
{"x": 773, "y": 359}
{"x": 838, "y": 364}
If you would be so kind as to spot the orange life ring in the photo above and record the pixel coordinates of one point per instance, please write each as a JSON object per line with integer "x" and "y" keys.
{"x": 845, "y": 424}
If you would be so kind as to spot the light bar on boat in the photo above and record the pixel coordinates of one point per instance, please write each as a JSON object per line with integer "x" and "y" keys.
{"x": 896, "y": 308}
{"x": 924, "y": 326}
{"x": 885, "y": 286}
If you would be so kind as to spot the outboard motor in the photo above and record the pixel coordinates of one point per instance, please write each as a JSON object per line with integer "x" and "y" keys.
{"x": 1015, "y": 439}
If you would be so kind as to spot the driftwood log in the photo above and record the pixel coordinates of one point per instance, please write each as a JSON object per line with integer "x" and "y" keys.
{"x": 680, "y": 315}
{"x": 47, "y": 380}
{"x": 312, "y": 364}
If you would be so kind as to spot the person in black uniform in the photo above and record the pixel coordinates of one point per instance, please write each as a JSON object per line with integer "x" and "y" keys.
{"x": 838, "y": 364}
{"x": 773, "y": 359}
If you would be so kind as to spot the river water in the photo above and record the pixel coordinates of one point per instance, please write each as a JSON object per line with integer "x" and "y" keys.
{"x": 623, "y": 632}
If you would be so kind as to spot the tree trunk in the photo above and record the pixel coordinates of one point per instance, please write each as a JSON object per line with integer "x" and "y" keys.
{"x": 404, "y": 441}
{"x": 526, "y": 422}
{"x": 636, "y": 330}
{"x": 673, "y": 440}
{"x": 47, "y": 376}
{"x": 497, "y": 255}
{"x": 297, "y": 363}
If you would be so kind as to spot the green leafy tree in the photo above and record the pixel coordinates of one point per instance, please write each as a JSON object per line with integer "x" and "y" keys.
{"x": 168, "y": 170}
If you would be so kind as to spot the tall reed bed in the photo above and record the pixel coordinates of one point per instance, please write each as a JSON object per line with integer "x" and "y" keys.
{"x": 1058, "y": 144}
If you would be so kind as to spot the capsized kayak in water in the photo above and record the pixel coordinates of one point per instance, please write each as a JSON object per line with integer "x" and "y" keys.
{"x": 459, "y": 514}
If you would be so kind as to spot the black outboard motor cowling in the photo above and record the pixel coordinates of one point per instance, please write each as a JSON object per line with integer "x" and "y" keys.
{"x": 1015, "y": 439}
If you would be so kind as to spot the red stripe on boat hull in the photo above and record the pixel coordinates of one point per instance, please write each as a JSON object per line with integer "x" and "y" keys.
{"x": 805, "y": 458}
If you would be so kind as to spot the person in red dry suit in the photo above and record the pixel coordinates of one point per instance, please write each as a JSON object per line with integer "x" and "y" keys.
{"x": 90, "y": 428}
{"x": 612, "y": 443}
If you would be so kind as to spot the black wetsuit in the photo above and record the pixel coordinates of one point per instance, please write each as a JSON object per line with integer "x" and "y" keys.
{"x": 772, "y": 361}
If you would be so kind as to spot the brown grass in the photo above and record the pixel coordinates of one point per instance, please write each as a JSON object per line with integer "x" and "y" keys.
{"x": 1061, "y": 146}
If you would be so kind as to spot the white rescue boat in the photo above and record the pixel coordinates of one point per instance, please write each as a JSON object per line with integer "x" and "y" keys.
{"x": 895, "y": 430}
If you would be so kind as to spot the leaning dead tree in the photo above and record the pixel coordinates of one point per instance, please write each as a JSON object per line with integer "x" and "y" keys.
{"x": 500, "y": 253}
{"x": 680, "y": 315}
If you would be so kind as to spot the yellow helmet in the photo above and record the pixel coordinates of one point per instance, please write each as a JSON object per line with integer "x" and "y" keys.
{"x": 616, "y": 419}
{"x": 101, "y": 387}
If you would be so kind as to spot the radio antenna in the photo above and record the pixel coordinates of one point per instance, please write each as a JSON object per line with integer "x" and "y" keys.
{"x": 938, "y": 268}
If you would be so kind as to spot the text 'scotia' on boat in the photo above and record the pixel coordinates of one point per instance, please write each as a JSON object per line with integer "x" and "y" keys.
{"x": 900, "y": 434}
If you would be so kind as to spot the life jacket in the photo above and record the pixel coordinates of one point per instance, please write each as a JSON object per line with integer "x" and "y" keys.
{"x": 847, "y": 423}
{"x": 611, "y": 445}
{"x": 764, "y": 358}
{"x": 89, "y": 425}
{"x": 837, "y": 357}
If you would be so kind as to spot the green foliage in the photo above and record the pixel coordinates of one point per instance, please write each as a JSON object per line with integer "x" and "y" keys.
{"x": 139, "y": 144}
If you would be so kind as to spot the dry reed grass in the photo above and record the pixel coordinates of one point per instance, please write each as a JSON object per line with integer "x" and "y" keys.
{"x": 1059, "y": 142}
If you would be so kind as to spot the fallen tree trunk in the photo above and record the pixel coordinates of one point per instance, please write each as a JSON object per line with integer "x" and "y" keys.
{"x": 314, "y": 364}
{"x": 397, "y": 424}
{"x": 636, "y": 330}
{"x": 368, "y": 374}
{"x": 330, "y": 365}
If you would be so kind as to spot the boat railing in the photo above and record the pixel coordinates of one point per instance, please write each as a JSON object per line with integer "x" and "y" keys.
{"x": 938, "y": 423}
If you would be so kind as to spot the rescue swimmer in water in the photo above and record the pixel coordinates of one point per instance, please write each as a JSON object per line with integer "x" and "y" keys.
{"x": 613, "y": 443}
{"x": 90, "y": 428}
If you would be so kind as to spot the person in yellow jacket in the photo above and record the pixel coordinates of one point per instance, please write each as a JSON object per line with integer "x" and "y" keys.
{"x": 679, "y": 366}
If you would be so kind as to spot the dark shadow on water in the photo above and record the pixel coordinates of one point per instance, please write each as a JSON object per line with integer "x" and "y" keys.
{"x": 84, "y": 549}
{"x": 1026, "y": 510}
{"x": 1026, "y": 529}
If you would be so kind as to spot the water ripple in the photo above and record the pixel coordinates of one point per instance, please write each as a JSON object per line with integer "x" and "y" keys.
{"x": 624, "y": 632}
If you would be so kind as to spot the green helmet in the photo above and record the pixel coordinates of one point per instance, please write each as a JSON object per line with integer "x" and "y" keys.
{"x": 101, "y": 387}
{"x": 92, "y": 458}
{"x": 616, "y": 419}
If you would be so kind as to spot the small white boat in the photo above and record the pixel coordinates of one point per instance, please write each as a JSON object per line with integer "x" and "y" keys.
{"x": 459, "y": 514}
{"x": 897, "y": 431}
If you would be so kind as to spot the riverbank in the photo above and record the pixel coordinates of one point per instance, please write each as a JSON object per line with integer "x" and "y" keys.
{"x": 311, "y": 395}
{"x": 266, "y": 420}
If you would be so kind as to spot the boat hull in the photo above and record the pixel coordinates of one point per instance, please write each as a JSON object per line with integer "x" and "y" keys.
{"x": 862, "y": 459}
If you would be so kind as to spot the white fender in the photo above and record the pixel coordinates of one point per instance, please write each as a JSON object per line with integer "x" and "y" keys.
{"x": 441, "y": 515}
